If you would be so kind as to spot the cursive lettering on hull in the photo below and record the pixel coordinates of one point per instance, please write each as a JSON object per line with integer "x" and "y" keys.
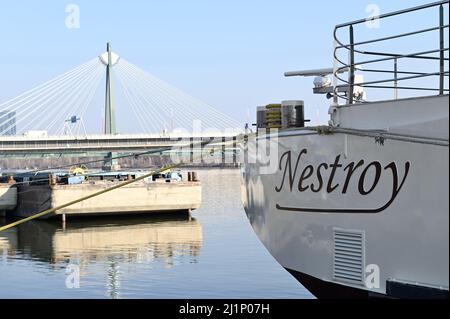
{"x": 322, "y": 178}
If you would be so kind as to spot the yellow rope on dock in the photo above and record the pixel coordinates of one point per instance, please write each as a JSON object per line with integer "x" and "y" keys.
{"x": 48, "y": 211}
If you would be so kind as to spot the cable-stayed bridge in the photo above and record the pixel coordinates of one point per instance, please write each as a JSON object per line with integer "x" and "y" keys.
{"x": 57, "y": 116}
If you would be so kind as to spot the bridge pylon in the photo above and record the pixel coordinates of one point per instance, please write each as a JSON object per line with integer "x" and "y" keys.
{"x": 110, "y": 59}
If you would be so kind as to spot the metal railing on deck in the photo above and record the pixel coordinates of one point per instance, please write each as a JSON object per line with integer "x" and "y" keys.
{"x": 344, "y": 88}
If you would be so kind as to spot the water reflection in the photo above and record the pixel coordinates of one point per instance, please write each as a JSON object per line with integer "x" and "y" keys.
{"x": 8, "y": 242}
{"x": 147, "y": 256}
{"x": 111, "y": 241}
{"x": 128, "y": 239}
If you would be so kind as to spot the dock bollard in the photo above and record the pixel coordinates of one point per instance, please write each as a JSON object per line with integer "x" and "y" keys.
{"x": 51, "y": 179}
{"x": 194, "y": 177}
{"x": 63, "y": 220}
{"x": 189, "y": 176}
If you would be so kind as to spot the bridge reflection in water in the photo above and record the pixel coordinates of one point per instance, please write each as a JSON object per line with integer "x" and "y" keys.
{"x": 114, "y": 241}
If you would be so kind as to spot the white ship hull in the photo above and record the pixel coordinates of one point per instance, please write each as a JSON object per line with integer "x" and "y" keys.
{"x": 355, "y": 215}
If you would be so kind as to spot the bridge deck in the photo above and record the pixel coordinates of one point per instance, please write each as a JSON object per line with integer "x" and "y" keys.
{"x": 70, "y": 144}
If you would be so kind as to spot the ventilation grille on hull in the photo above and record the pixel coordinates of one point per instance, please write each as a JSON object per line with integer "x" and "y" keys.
{"x": 348, "y": 258}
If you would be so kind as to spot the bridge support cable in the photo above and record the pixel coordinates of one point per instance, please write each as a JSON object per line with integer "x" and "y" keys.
{"x": 134, "y": 108}
{"x": 186, "y": 106}
{"x": 59, "y": 107}
{"x": 29, "y": 102}
{"x": 145, "y": 115}
{"x": 70, "y": 102}
{"x": 153, "y": 107}
{"x": 150, "y": 106}
{"x": 171, "y": 97}
{"x": 36, "y": 110}
{"x": 86, "y": 101}
{"x": 165, "y": 105}
{"x": 79, "y": 102}
{"x": 44, "y": 87}
{"x": 155, "y": 102}
{"x": 39, "y": 102}
{"x": 50, "y": 108}
{"x": 157, "y": 106}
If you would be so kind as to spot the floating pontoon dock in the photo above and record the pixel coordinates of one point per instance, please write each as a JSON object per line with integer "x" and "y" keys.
{"x": 160, "y": 194}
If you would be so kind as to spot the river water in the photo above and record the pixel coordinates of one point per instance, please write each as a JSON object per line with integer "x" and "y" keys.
{"x": 215, "y": 254}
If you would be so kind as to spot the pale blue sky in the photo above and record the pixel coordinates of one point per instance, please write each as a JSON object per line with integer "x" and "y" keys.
{"x": 231, "y": 54}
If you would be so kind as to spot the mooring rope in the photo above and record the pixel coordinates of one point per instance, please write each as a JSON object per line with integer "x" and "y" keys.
{"x": 95, "y": 194}
{"x": 318, "y": 129}
{"x": 52, "y": 210}
{"x": 378, "y": 134}
{"x": 195, "y": 144}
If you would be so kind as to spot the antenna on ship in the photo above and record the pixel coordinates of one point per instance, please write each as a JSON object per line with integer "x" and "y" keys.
{"x": 324, "y": 85}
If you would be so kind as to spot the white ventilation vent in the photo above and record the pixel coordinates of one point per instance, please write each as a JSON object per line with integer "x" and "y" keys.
{"x": 348, "y": 257}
